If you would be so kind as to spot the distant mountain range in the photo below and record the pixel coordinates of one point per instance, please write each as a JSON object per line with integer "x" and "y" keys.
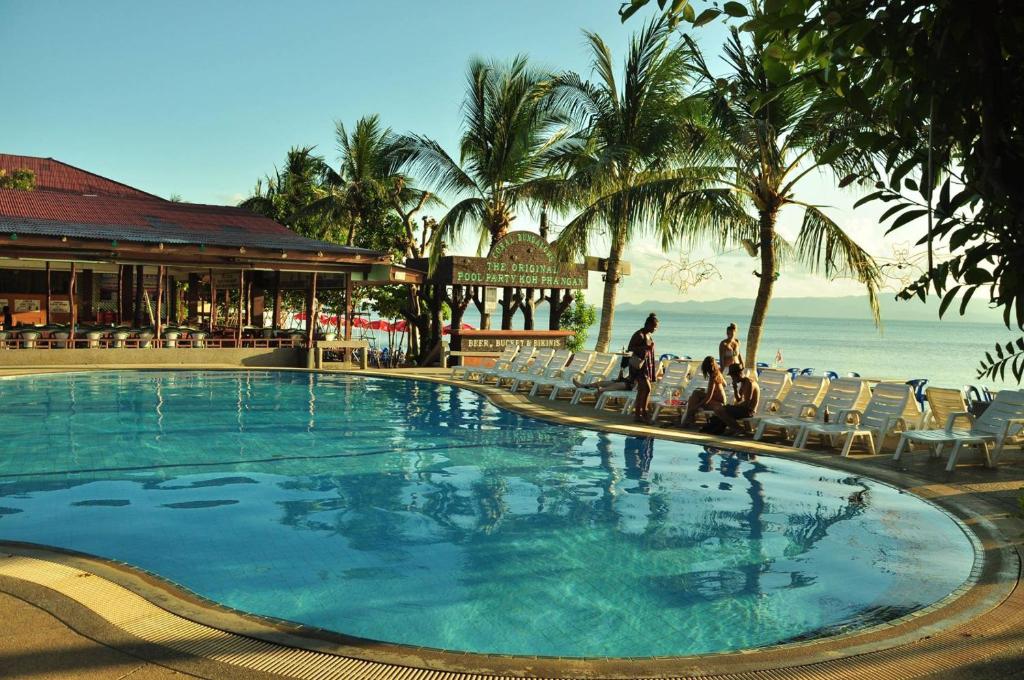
{"x": 851, "y": 307}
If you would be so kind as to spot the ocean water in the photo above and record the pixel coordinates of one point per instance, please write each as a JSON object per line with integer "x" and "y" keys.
{"x": 946, "y": 353}
{"x": 422, "y": 514}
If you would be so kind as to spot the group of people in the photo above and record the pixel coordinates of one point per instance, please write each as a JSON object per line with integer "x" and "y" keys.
{"x": 640, "y": 369}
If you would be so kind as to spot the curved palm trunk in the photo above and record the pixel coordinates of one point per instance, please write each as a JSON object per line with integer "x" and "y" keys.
{"x": 764, "y": 289}
{"x": 611, "y": 290}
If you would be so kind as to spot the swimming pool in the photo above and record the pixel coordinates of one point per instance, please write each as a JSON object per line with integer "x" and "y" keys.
{"x": 421, "y": 514}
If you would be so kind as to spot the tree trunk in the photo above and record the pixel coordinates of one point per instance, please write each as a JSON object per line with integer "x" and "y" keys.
{"x": 611, "y": 290}
{"x": 764, "y": 288}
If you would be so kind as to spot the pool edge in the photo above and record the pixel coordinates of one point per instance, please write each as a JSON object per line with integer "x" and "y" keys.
{"x": 993, "y": 597}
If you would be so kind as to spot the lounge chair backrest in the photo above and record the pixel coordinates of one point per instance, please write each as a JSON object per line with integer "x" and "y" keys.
{"x": 558, "y": 359}
{"x": 580, "y": 361}
{"x": 522, "y": 359}
{"x": 508, "y": 353}
{"x": 676, "y": 373}
{"x": 941, "y": 402}
{"x": 696, "y": 382}
{"x": 774, "y": 384}
{"x": 843, "y": 395}
{"x": 888, "y": 402}
{"x": 603, "y": 365}
{"x": 1006, "y": 405}
{"x": 806, "y": 389}
{"x": 541, "y": 358}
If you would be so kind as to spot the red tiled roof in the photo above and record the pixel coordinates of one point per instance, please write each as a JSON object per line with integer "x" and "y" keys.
{"x": 145, "y": 220}
{"x": 53, "y": 175}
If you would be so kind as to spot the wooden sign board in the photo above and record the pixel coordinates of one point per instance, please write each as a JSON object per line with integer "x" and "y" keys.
{"x": 520, "y": 259}
{"x": 495, "y": 341}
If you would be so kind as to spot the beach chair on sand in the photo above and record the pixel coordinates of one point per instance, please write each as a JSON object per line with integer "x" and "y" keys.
{"x": 602, "y": 368}
{"x": 577, "y": 367}
{"x": 674, "y": 375}
{"x": 540, "y": 360}
{"x": 519, "y": 363}
{"x": 1001, "y": 422}
{"x": 553, "y": 369}
{"x": 503, "y": 361}
{"x": 803, "y": 397}
{"x": 891, "y": 409}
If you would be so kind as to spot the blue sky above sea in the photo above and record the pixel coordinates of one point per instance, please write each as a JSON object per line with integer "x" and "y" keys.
{"x": 201, "y": 99}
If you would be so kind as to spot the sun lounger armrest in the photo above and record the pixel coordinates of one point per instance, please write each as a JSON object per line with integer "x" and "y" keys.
{"x": 773, "y": 406}
{"x": 808, "y": 410}
{"x": 850, "y": 415}
{"x": 958, "y": 414}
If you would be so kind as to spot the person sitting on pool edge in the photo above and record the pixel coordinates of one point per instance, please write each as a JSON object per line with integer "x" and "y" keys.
{"x": 747, "y": 394}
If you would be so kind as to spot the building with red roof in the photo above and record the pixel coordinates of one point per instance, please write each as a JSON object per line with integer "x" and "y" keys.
{"x": 82, "y": 248}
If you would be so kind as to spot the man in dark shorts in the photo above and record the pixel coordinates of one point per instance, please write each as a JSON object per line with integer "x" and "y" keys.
{"x": 747, "y": 394}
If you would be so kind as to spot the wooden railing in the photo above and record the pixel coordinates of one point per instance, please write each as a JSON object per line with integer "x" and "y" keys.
{"x": 145, "y": 343}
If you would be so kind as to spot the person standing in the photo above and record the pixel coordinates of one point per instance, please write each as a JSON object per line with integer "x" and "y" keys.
{"x": 642, "y": 369}
{"x": 729, "y": 349}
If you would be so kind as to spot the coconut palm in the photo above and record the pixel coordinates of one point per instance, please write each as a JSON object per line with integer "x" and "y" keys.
{"x": 510, "y": 133}
{"x": 763, "y": 135}
{"x": 631, "y": 175}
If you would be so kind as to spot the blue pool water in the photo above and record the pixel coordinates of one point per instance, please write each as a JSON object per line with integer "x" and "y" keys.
{"x": 421, "y": 514}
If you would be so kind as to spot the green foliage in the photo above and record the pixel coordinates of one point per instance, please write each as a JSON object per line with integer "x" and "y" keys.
{"x": 578, "y": 317}
{"x": 510, "y": 137}
{"x": 21, "y": 180}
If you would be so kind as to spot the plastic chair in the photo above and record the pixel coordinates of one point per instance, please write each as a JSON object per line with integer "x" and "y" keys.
{"x": 832, "y": 375}
{"x": 668, "y": 357}
{"x": 760, "y": 366}
{"x": 853, "y": 374}
{"x": 973, "y": 393}
{"x": 794, "y": 373}
{"x": 807, "y": 371}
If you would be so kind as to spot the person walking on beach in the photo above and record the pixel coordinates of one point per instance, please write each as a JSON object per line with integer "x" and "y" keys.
{"x": 705, "y": 398}
{"x": 747, "y": 394}
{"x": 642, "y": 369}
{"x": 729, "y": 349}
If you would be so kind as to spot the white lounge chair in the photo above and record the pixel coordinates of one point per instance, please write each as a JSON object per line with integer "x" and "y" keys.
{"x": 675, "y": 372}
{"x": 942, "y": 401}
{"x": 521, "y": 361}
{"x": 577, "y": 367}
{"x": 891, "y": 409}
{"x": 843, "y": 395}
{"x": 686, "y": 389}
{"x": 774, "y": 385}
{"x": 800, "y": 404}
{"x": 540, "y": 360}
{"x": 602, "y": 368}
{"x": 1003, "y": 420}
{"x": 502, "y": 362}
{"x": 553, "y": 369}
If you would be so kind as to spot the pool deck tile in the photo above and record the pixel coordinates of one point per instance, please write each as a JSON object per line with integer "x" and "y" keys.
{"x": 979, "y": 635}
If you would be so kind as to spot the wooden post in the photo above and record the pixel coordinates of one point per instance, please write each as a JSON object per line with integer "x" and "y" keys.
{"x": 129, "y": 286}
{"x": 85, "y": 288}
{"x": 348, "y": 306}
{"x": 74, "y": 306}
{"x": 157, "y": 320}
{"x": 213, "y": 302}
{"x": 192, "y": 311}
{"x": 140, "y": 275}
{"x": 172, "y": 300}
{"x": 49, "y": 293}
{"x": 120, "y": 293}
{"x": 241, "y": 305}
{"x": 311, "y": 310}
{"x": 277, "y": 300}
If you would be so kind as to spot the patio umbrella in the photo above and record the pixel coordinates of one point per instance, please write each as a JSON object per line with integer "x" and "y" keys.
{"x": 360, "y": 322}
{"x": 463, "y": 327}
{"x": 379, "y": 325}
{"x": 402, "y": 326}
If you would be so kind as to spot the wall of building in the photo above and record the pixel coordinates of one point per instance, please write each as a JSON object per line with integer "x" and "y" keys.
{"x": 285, "y": 357}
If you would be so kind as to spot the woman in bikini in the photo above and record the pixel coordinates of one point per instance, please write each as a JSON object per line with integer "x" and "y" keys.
{"x": 729, "y": 349}
{"x": 711, "y": 397}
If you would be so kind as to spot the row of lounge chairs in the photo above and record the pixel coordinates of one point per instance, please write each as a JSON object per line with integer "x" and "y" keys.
{"x": 791, "y": 408}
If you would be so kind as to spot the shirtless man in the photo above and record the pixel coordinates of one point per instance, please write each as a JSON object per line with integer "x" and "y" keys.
{"x": 747, "y": 393}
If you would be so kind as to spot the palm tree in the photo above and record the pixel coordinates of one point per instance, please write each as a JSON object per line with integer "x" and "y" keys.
{"x": 510, "y": 133}
{"x": 626, "y": 173}
{"x": 286, "y": 195}
{"x": 760, "y": 140}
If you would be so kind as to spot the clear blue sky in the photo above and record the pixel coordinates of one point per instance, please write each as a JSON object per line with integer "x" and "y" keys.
{"x": 203, "y": 98}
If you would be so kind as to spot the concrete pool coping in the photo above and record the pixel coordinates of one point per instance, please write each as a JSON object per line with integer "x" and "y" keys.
{"x": 971, "y": 626}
